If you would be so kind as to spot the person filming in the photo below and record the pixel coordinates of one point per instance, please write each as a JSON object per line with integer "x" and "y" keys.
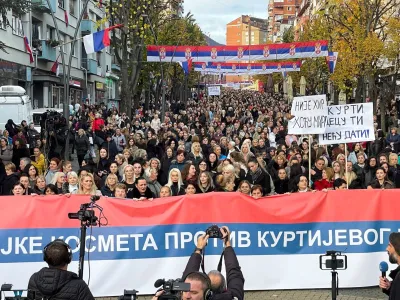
{"x": 233, "y": 286}
{"x": 56, "y": 282}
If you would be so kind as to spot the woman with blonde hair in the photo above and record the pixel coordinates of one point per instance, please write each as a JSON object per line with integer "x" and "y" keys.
{"x": 245, "y": 150}
{"x": 341, "y": 158}
{"x": 109, "y": 188}
{"x": 128, "y": 179}
{"x": 175, "y": 182}
{"x": 196, "y": 154}
{"x": 87, "y": 186}
{"x": 338, "y": 170}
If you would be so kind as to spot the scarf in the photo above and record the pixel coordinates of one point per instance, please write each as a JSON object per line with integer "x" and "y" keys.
{"x": 256, "y": 175}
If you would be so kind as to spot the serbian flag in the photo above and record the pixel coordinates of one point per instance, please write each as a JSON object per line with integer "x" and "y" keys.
{"x": 186, "y": 66}
{"x": 97, "y": 41}
{"x": 66, "y": 17}
{"x": 331, "y": 60}
{"x": 55, "y": 68}
{"x": 28, "y": 49}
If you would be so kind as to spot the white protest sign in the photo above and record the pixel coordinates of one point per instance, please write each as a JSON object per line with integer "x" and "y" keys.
{"x": 310, "y": 113}
{"x": 349, "y": 123}
{"x": 214, "y": 90}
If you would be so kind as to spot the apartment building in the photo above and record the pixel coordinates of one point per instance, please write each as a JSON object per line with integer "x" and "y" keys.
{"x": 246, "y": 30}
{"x": 281, "y": 16}
{"x": 93, "y": 77}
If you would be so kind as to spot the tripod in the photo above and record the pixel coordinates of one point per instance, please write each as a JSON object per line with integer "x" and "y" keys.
{"x": 88, "y": 219}
{"x": 335, "y": 284}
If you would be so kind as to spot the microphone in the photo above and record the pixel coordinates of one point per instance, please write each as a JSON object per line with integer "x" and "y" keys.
{"x": 158, "y": 283}
{"x": 383, "y": 267}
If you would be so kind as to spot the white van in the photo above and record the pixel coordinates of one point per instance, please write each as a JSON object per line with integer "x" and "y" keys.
{"x": 15, "y": 104}
{"x": 37, "y": 114}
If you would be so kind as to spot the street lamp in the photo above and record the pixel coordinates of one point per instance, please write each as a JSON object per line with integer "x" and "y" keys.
{"x": 161, "y": 67}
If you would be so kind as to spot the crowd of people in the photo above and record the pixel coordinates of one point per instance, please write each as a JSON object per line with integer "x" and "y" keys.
{"x": 235, "y": 142}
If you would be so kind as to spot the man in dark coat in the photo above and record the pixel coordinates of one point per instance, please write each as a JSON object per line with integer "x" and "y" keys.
{"x": 55, "y": 282}
{"x": 111, "y": 147}
{"x": 235, "y": 279}
{"x": 392, "y": 288}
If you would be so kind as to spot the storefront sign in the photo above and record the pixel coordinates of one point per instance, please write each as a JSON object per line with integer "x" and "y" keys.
{"x": 75, "y": 83}
{"x": 99, "y": 86}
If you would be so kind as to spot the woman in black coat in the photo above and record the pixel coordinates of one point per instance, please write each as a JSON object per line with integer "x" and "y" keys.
{"x": 165, "y": 165}
{"x": 19, "y": 151}
{"x": 81, "y": 145}
{"x": 259, "y": 176}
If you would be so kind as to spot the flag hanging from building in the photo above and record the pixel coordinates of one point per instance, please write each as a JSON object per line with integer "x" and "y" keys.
{"x": 97, "y": 41}
{"x": 56, "y": 68}
{"x": 331, "y": 60}
{"x": 66, "y": 17}
{"x": 28, "y": 49}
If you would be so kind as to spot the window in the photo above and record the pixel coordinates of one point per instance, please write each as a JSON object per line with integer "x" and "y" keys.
{"x": 289, "y": 8}
{"x": 36, "y": 31}
{"x": 17, "y": 26}
{"x": 3, "y": 23}
{"x": 252, "y": 33}
{"x": 98, "y": 58}
{"x": 247, "y": 33}
{"x": 63, "y": 41}
{"x": 61, "y": 4}
{"x": 252, "y": 38}
{"x": 73, "y": 49}
{"x": 72, "y": 4}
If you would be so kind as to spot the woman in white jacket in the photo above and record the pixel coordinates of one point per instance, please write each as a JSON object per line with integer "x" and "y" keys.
{"x": 156, "y": 123}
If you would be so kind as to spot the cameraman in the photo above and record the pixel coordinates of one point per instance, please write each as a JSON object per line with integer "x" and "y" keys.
{"x": 56, "y": 282}
{"x": 235, "y": 280}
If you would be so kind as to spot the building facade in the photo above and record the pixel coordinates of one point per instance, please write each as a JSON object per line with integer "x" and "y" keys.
{"x": 245, "y": 30}
{"x": 281, "y": 16}
{"x": 93, "y": 77}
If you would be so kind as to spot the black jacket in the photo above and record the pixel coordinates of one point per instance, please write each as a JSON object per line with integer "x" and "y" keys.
{"x": 59, "y": 285}
{"x": 8, "y": 183}
{"x": 234, "y": 275}
{"x": 82, "y": 144}
{"x": 394, "y": 291}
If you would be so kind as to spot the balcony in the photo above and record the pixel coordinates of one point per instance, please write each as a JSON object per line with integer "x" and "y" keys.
{"x": 90, "y": 65}
{"x": 88, "y": 26}
{"x": 115, "y": 67}
{"x": 303, "y": 7}
{"x": 41, "y": 5}
{"x": 47, "y": 52}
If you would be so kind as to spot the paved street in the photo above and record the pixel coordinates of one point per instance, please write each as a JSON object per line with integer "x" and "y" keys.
{"x": 345, "y": 294}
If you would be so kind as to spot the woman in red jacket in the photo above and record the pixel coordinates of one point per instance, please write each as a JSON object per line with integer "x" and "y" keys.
{"x": 326, "y": 182}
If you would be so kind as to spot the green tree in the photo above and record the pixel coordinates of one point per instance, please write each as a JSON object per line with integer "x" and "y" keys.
{"x": 18, "y": 7}
{"x": 139, "y": 18}
{"x": 288, "y": 35}
{"x": 182, "y": 31}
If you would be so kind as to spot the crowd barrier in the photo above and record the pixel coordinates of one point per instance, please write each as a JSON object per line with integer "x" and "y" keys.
{"x": 278, "y": 239}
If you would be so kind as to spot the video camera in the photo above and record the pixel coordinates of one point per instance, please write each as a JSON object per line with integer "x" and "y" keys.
{"x": 172, "y": 288}
{"x": 52, "y": 120}
{"x": 333, "y": 260}
{"x": 85, "y": 214}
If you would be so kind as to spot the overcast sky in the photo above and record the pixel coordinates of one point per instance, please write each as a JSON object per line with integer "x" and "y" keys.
{"x": 213, "y": 15}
